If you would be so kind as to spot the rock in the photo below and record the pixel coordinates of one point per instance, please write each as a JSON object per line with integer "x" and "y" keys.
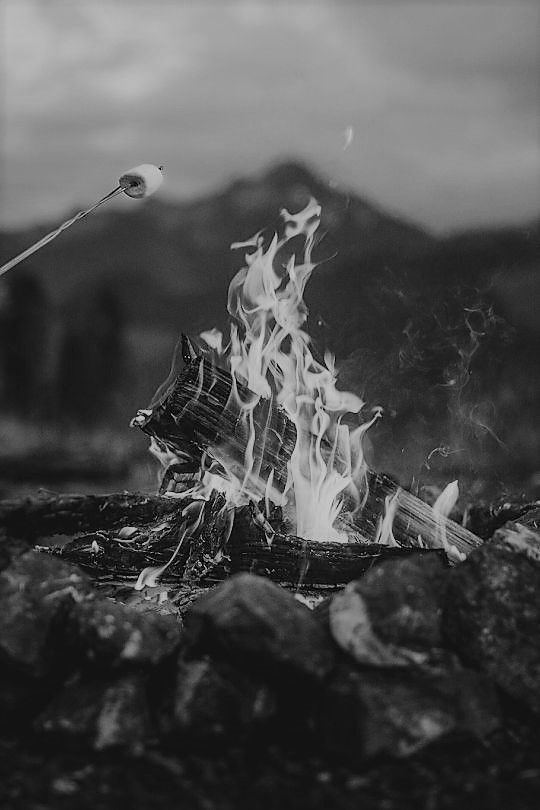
{"x": 215, "y": 699}
{"x": 104, "y": 713}
{"x": 251, "y": 619}
{"x": 113, "y": 634}
{"x": 392, "y": 615}
{"x": 36, "y": 590}
{"x": 492, "y": 611}
{"x": 397, "y": 712}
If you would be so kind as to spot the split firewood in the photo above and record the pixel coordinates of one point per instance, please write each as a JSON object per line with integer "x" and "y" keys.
{"x": 413, "y": 518}
{"x": 298, "y": 562}
{"x": 48, "y": 515}
{"x": 202, "y": 412}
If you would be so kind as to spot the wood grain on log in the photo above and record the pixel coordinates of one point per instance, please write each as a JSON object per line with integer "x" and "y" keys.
{"x": 413, "y": 517}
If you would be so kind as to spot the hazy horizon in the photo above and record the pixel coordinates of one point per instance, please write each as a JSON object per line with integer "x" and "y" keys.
{"x": 430, "y": 111}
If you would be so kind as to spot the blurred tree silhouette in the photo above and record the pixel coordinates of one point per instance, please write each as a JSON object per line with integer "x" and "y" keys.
{"x": 24, "y": 334}
{"x": 91, "y": 355}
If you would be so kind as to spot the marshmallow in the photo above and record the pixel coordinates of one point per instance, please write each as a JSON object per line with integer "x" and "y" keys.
{"x": 141, "y": 181}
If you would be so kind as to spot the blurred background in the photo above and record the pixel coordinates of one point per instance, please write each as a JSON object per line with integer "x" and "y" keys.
{"x": 415, "y": 124}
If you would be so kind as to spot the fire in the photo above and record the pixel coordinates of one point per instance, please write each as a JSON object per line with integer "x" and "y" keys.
{"x": 269, "y": 351}
{"x": 269, "y": 357}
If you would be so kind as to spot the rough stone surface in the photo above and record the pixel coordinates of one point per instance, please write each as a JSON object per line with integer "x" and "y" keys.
{"x": 392, "y": 615}
{"x": 373, "y": 711}
{"x": 492, "y": 611}
{"x": 112, "y": 634}
{"x": 252, "y": 619}
{"x": 213, "y": 699}
{"x": 35, "y": 591}
{"x": 104, "y": 713}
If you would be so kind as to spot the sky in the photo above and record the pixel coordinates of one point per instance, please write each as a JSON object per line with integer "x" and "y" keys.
{"x": 429, "y": 109}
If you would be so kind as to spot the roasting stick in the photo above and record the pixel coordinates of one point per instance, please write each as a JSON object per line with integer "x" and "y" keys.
{"x": 138, "y": 182}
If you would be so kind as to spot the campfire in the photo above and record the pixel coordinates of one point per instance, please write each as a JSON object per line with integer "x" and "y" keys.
{"x": 255, "y": 437}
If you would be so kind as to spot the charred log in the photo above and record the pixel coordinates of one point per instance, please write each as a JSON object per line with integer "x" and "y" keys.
{"x": 206, "y": 411}
{"x": 485, "y": 518}
{"x": 298, "y": 562}
{"x": 180, "y": 476}
{"x": 158, "y": 524}
{"x": 35, "y": 517}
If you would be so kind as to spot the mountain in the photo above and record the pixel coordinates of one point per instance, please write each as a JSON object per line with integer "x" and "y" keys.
{"x": 161, "y": 253}
{"x": 170, "y": 262}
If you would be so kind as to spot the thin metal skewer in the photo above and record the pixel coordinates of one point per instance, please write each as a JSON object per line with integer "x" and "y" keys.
{"x": 53, "y": 234}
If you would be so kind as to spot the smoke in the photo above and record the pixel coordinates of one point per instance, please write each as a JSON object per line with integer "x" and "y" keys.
{"x": 437, "y": 374}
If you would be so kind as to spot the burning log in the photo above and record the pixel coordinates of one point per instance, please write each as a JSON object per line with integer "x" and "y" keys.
{"x": 202, "y": 413}
{"x": 289, "y": 559}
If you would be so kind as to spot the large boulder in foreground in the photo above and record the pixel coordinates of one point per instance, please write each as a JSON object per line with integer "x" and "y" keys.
{"x": 392, "y": 615}
{"x": 406, "y": 691}
{"x": 492, "y": 611}
{"x": 253, "y": 621}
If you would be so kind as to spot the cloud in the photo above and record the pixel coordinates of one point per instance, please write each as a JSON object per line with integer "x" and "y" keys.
{"x": 441, "y": 98}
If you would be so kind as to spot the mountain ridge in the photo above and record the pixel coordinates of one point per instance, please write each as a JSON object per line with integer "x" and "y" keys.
{"x": 166, "y": 255}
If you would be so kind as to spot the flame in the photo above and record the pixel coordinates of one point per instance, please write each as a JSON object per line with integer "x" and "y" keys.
{"x": 442, "y": 508}
{"x": 270, "y": 352}
{"x": 385, "y": 534}
{"x": 269, "y": 357}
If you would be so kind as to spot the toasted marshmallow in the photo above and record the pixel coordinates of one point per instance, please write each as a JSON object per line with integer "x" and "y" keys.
{"x": 141, "y": 181}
